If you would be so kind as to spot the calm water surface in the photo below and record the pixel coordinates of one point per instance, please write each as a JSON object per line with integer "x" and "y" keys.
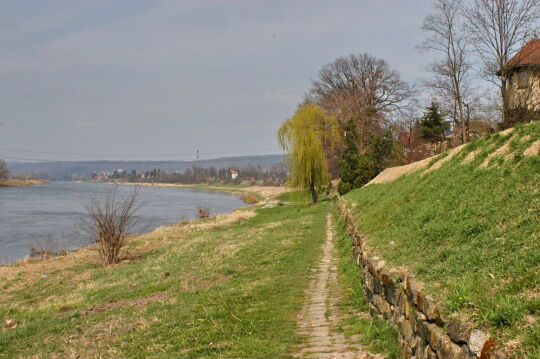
{"x": 51, "y": 214}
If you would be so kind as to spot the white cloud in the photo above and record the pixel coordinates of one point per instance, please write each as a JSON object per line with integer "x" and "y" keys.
{"x": 88, "y": 124}
{"x": 182, "y": 72}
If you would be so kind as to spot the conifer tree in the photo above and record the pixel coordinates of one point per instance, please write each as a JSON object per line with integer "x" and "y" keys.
{"x": 356, "y": 168}
{"x": 432, "y": 125}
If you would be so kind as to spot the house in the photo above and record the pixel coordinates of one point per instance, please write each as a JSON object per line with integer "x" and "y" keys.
{"x": 524, "y": 84}
{"x": 234, "y": 174}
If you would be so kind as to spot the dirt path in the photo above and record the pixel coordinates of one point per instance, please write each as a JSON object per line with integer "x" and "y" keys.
{"x": 321, "y": 313}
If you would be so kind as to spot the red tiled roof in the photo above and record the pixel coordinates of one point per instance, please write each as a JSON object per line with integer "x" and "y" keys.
{"x": 528, "y": 55}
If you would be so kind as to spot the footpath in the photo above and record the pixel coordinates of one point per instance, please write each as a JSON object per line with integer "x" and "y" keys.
{"x": 321, "y": 314}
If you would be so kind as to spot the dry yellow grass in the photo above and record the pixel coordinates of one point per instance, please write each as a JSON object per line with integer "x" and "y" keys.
{"x": 443, "y": 160}
{"x": 471, "y": 156}
{"x": 19, "y": 182}
{"x": 533, "y": 149}
{"x": 393, "y": 173}
{"x": 499, "y": 151}
{"x": 249, "y": 197}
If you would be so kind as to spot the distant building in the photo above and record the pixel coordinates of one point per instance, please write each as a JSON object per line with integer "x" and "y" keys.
{"x": 234, "y": 174}
{"x": 524, "y": 84}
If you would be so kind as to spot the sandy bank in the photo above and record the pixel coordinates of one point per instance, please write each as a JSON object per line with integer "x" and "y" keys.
{"x": 15, "y": 182}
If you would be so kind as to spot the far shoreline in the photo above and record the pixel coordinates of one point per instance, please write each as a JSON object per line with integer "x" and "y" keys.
{"x": 16, "y": 182}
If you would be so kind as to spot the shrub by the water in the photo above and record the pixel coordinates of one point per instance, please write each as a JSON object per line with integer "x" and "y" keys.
{"x": 108, "y": 221}
{"x": 204, "y": 212}
{"x": 249, "y": 197}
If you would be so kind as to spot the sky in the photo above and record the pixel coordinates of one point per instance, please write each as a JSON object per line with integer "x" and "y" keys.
{"x": 160, "y": 79}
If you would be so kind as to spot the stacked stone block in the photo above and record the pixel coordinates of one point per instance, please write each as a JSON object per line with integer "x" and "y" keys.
{"x": 424, "y": 331}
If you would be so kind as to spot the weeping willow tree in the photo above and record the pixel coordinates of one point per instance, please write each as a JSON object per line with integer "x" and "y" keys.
{"x": 303, "y": 137}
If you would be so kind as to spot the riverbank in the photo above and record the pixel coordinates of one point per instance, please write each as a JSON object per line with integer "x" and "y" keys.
{"x": 49, "y": 216}
{"x": 18, "y": 182}
{"x": 227, "y": 286}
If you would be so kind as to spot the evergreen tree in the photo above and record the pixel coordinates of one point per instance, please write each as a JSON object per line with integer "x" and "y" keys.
{"x": 432, "y": 125}
{"x": 384, "y": 150}
{"x": 356, "y": 169}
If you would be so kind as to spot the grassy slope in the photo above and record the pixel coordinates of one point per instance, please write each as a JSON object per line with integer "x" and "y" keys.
{"x": 229, "y": 292}
{"x": 472, "y": 234}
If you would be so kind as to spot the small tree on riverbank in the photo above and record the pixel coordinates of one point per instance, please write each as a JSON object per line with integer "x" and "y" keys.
{"x": 108, "y": 222}
{"x": 4, "y": 173}
{"x": 303, "y": 137}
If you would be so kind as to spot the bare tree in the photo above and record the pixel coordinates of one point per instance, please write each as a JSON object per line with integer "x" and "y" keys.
{"x": 363, "y": 88}
{"x": 108, "y": 222}
{"x": 452, "y": 71}
{"x": 499, "y": 28}
{"x": 4, "y": 173}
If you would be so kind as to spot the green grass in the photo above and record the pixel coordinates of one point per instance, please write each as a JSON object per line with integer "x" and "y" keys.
{"x": 230, "y": 292}
{"x": 470, "y": 233}
{"x": 375, "y": 334}
{"x": 303, "y": 197}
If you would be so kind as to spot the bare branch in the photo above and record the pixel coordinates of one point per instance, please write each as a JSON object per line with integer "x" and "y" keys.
{"x": 108, "y": 222}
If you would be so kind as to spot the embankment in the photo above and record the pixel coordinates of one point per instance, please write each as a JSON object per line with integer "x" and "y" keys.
{"x": 222, "y": 287}
{"x": 450, "y": 248}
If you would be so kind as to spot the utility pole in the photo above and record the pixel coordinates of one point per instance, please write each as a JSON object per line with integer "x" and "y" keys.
{"x": 196, "y": 169}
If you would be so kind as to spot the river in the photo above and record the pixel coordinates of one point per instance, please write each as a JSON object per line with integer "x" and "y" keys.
{"x": 50, "y": 215}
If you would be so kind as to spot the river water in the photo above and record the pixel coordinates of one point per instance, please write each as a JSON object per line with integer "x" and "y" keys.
{"x": 50, "y": 215}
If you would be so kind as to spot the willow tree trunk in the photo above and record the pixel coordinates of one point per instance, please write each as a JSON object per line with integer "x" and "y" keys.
{"x": 312, "y": 190}
{"x": 313, "y": 193}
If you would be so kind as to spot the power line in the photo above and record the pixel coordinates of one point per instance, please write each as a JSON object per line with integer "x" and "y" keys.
{"x": 24, "y": 159}
{"x": 135, "y": 155}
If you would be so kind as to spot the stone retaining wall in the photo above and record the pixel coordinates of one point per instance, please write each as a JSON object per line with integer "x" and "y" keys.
{"x": 424, "y": 331}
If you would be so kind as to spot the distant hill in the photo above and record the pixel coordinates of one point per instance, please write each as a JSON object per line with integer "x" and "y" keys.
{"x": 66, "y": 170}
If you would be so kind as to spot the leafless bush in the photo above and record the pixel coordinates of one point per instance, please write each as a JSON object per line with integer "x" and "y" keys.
{"x": 4, "y": 173}
{"x": 47, "y": 248}
{"x": 204, "y": 212}
{"x": 108, "y": 221}
{"x": 249, "y": 197}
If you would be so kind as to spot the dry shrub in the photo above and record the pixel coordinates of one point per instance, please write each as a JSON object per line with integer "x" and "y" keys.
{"x": 249, "y": 197}
{"x": 46, "y": 249}
{"x": 204, "y": 212}
{"x": 109, "y": 219}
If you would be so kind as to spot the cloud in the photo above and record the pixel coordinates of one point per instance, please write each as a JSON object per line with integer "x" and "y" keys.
{"x": 411, "y": 72}
{"x": 87, "y": 124}
{"x": 174, "y": 74}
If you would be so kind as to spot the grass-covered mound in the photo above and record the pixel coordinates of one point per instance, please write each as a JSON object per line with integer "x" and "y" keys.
{"x": 470, "y": 229}
{"x": 216, "y": 288}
